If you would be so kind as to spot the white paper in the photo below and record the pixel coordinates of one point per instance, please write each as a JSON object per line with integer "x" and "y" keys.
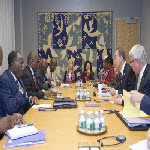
{"x": 16, "y": 133}
{"x": 64, "y": 85}
{"x": 142, "y": 145}
{"x": 42, "y": 105}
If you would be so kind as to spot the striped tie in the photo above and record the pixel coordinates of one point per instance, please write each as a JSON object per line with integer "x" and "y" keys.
{"x": 138, "y": 83}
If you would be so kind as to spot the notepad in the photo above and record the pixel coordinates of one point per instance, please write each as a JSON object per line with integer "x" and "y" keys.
{"x": 42, "y": 105}
{"x": 38, "y": 138}
{"x": 16, "y": 132}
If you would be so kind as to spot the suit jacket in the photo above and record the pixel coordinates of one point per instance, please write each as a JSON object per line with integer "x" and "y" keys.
{"x": 41, "y": 80}
{"x": 29, "y": 84}
{"x": 11, "y": 99}
{"x": 115, "y": 83}
{"x": 145, "y": 82}
{"x": 127, "y": 81}
{"x": 145, "y": 104}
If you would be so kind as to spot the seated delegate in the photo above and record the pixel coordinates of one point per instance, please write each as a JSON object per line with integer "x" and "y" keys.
{"x": 70, "y": 74}
{"x": 87, "y": 74}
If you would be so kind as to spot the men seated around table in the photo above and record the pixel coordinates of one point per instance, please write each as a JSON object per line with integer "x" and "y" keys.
{"x": 13, "y": 97}
{"x": 87, "y": 74}
{"x": 109, "y": 66}
{"x": 127, "y": 76}
{"x": 51, "y": 73}
{"x": 9, "y": 122}
{"x": 40, "y": 74}
{"x": 70, "y": 74}
{"x": 103, "y": 72}
{"x": 29, "y": 78}
{"x": 138, "y": 61}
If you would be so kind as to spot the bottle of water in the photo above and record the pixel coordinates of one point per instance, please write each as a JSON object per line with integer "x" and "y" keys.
{"x": 96, "y": 122}
{"x": 85, "y": 95}
{"x": 88, "y": 95}
{"x": 81, "y": 94}
{"x": 77, "y": 95}
{"x": 89, "y": 122}
{"x": 81, "y": 84}
{"x": 82, "y": 121}
{"x": 102, "y": 121}
{"x": 90, "y": 84}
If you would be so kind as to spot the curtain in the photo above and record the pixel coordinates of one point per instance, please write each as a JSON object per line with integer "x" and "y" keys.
{"x": 7, "y": 30}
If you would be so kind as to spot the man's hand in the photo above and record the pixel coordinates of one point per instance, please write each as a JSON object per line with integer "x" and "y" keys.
{"x": 34, "y": 100}
{"x": 135, "y": 97}
{"x": 104, "y": 85}
{"x": 22, "y": 90}
{"x": 148, "y": 138}
{"x": 49, "y": 80}
{"x": 48, "y": 93}
{"x": 117, "y": 99}
{"x": 112, "y": 91}
{"x": 18, "y": 120}
{"x": 6, "y": 123}
{"x": 58, "y": 83}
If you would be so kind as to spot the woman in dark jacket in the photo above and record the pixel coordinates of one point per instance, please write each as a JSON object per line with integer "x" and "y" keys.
{"x": 87, "y": 74}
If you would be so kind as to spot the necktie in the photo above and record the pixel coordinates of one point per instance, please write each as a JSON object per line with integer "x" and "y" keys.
{"x": 35, "y": 81}
{"x": 138, "y": 83}
{"x": 18, "y": 83}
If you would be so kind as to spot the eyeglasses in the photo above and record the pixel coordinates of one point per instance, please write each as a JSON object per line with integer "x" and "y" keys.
{"x": 132, "y": 61}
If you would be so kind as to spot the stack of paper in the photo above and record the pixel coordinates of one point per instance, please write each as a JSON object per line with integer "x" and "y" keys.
{"x": 129, "y": 110}
{"x": 18, "y": 132}
{"x": 64, "y": 85}
{"x": 41, "y": 105}
{"x": 142, "y": 145}
{"x": 38, "y": 138}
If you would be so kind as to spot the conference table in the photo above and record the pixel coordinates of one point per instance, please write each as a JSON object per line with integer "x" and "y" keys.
{"x": 61, "y": 126}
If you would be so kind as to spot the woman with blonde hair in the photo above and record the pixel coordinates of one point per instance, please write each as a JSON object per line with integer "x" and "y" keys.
{"x": 70, "y": 74}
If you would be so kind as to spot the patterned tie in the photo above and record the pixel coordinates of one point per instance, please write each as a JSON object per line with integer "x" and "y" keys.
{"x": 35, "y": 81}
{"x": 138, "y": 83}
{"x": 18, "y": 83}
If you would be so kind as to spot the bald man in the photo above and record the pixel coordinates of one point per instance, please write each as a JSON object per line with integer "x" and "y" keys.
{"x": 40, "y": 74}
{"x": 29, "y": 78}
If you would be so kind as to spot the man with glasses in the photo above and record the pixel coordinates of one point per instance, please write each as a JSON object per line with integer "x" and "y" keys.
{"x": 30, "y": 80}
{"x": 52, "y": 74}
{"x": 13, "y": 97}
{"x": 126, "y": 75}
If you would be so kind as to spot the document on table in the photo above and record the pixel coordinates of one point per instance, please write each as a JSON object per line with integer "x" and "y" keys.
{"x": 18, "y": 132}
{"x": 129, "y": 110}
{"x": 42, "y": 105}
{"x": 38, "y": 138}
{"x": 142, "y": 145}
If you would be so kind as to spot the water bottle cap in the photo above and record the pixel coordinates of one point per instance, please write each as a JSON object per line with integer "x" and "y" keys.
{"x": 96, "y": 112}
{"x": 101, "y": 111}
{"x": 82, "y": 111}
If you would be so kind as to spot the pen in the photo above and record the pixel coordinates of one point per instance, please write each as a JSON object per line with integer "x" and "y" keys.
{"x": 26, "y": 125}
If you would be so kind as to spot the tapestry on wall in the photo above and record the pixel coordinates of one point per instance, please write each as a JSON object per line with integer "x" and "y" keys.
{"x": 76, "y": 36}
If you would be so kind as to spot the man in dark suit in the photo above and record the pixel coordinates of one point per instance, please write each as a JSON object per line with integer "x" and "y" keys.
{"x": 138, "y": 61}
{"x": 8, "y": 121}
{"x": 30, "y": 80}
{"x": 13, "y": 97}
{"x": 127, "y": 76}
{"x": 40, "y": 74}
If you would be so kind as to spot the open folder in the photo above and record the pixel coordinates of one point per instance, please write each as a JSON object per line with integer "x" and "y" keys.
{"x": 129, "y": 110}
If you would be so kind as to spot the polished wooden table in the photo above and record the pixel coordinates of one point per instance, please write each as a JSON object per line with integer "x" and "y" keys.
{"x": 61, "y": 126}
